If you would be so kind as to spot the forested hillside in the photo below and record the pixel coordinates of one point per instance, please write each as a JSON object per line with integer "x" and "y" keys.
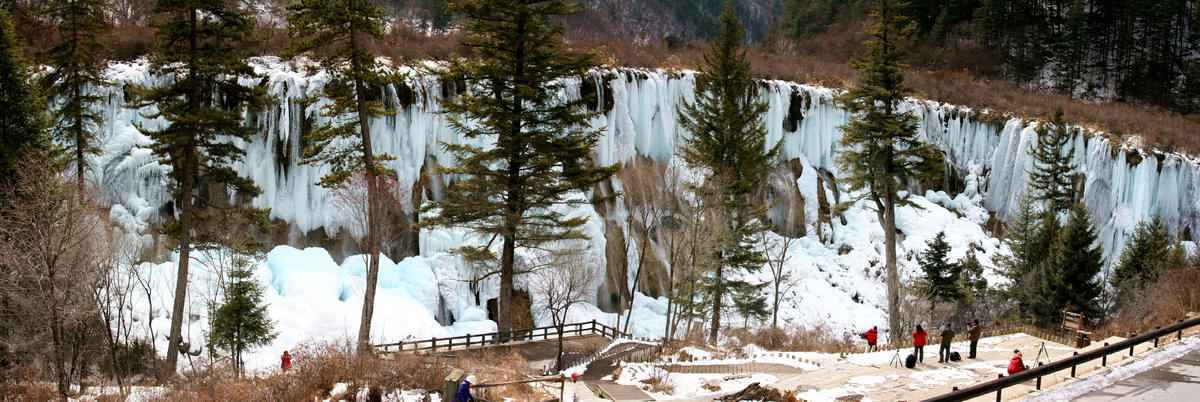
{"x": 1134, "y": 51}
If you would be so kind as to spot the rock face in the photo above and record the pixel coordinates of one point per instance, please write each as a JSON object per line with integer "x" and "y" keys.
{"x": 637, "y": 113}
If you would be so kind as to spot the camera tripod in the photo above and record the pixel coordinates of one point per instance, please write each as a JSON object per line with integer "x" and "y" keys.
{"x": 896, "y": 361}
{"x": 1042, "y": 353}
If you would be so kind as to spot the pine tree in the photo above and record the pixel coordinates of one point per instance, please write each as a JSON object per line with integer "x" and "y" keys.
{"x": 973, "y": 284}
{"x": 728, "y": 138}
{"x": 542, "y": 142}
{"x": 335, "y": 33}
{"x": 202, "y": 47}
{"x": 77, "y": 63}
{"x": 750, "y": 305}
{"x": 942, "y": 278}
{"x": 1149, "y": 253}
{"x": 1051, "y": 179}
{"x": 880, "y": 149}
{"x": 22, "y": 113}
{"x": 1023, "y": 268}
{"x": 1070, "y": 282}
{"x": 241, "y": 322}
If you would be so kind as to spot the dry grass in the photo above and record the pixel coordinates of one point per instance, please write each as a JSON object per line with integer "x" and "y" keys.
{"x": 316, "y": 369}
{"x": 1172, "y": 298}
{"x": 817, "y": 339}
{"x": 499, "y": 366}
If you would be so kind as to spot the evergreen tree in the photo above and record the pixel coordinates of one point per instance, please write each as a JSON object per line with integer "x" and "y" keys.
{"x": 880, "y": 149}
{"x": 335, "y": 33}
{"x": 542, "y": 142}
{"x": 729, "y": 139}
{"x": 77, "y": 63}
{"x": 1051, "y": 179}
{"x": 942, "y": 278}
{"x": 241, "y": 322}
{"x": 1071, "y": 282}
{"x": 751, "y": 305}
{"x": 1149, "y": 253}
{"x": 1023, "y": 268}
{"x": 973, "y": 284}
{"x": 202, "y": 48}
{"x": 22, "y": 113}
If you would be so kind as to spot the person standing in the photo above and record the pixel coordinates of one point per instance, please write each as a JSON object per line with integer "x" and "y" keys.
{"x": 947, "y": 338}
{"x": 974, "y": 332}
{"x": 285, "y": 361}
{"x": 872, "y": 337}
{"x": 919, "y": 338}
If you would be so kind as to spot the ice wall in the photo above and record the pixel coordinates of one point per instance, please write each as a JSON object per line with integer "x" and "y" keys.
{"x": 638, "y": 115}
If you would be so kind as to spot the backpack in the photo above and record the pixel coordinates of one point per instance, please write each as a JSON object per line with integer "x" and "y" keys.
{"x": 910, "y": 361}
{"x": 954, "y": 357}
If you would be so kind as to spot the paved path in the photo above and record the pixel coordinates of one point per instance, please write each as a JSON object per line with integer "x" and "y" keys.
{"x": 1178, "y": 380}
{"x": 618, "y": 392}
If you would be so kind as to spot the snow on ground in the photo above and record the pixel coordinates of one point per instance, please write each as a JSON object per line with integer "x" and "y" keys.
{"x": 686, "y": 386}
{"x": 313, "y": 298}
{"x": 1095, "y": 382}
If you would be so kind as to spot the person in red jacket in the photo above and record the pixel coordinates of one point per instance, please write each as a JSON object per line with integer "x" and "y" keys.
{"x": 285, "y": 361}
{"x": 919, "y": 338}
{"x": 1017, "y": 365}
{"x": 872, "y": 337}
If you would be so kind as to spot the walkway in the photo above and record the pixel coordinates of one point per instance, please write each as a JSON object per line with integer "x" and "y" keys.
{"x": 1178, "y": 380}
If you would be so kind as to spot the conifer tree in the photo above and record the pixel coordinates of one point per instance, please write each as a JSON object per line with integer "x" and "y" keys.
{"x": 202, "y": 48}
{"x": 1026, "y": 240}
{"x": 241, "y": 323}
{"x": 77, "y": 63}
{"x": 1051, "y": 178}
{"x": 880, "y": 148}
{"x": 972, "y": 282}
{"x": 1149, "y": 253}
{"x": 728, "y": 138}
{"x": 22, "y": 113}
{"x": 335, "y": 34}
{"x": 542, "y": 152}
{"x": 1070, "y": 282}
{"x": 942, "y": 277}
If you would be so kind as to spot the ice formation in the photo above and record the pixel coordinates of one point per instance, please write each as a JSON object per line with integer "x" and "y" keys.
{"x": 637, "y": 112}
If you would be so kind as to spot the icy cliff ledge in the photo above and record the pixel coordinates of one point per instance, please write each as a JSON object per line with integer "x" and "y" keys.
{"x": 638, "y": 116}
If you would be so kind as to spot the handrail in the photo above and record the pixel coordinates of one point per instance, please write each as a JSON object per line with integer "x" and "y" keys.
{"x": 499, "y": 338}
{"x": 1036, "y": 373}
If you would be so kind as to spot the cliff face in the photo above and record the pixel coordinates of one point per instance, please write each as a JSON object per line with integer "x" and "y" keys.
{"x": 637, "y": 111}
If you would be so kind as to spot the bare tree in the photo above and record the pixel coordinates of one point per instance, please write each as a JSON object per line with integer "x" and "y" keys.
{"x": 113, "y": 292}
{"x": 646, "y": 197}
{"x": 775, "y": 251}
{"x": 351, "y": 200}
{"x": 51, "y": 246}
{"x": 564, "y": 282}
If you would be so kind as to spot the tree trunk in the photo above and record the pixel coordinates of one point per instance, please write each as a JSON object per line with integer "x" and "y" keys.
{"x": 181, "y": 274}
{"x": 668, "y": 332}
{"x": 559, "y": 356}
{"x": 775, "y": 306}
{"x": 504, "y": 305}
{"x": 718, "y": 294}
{"x": 56, "y": 333}
{"x": 893, "y": 276}
{"x": 373, "y": 208}
{"x": 637, "y": 275}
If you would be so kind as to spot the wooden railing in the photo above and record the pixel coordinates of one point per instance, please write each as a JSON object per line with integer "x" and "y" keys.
{"x": 501, "y": 338}
{"x": 997, "y": 386}
{"x": 1055, "y": 335}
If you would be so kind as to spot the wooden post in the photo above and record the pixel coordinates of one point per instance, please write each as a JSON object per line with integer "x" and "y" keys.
{"x": 1104, "y": 358}
{"x": 999, "y": 390}
{"x": 434, "y": 340}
